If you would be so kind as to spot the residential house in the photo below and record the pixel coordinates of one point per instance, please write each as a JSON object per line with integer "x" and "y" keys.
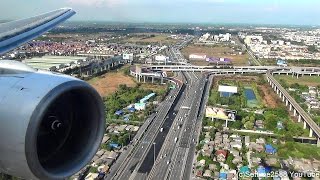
{"x": 105, "y": 139}
{"x": 260, "y": 141}
{"x": 237, "y": 160}
{"x": 212, "y": 167}
{"x": 202, "y": 162}
{"x": 236, "y": 144}
{"x": 271, "y": 161}
{"x": 222, "y": 175}
{"x": 91, "y": 176}
{"x": 207, "y": 173}
{"x": 234, "y": 152}
{"x": 255, "y": 160}
{"x": 221, "y": 155}
{"x": 232, "y": 175}
{"x": 256, "y": 147}
{"x": 199, "y": 172}
{"x": 270, "y": 149}
{"x": 259, "y": 124}
{"x": 100, "y": 153}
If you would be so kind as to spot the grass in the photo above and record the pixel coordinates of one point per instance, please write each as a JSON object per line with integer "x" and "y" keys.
{"x": 304, "y": 80}
{"x": 298, "y": 150}
{"x": 216, "y": 51}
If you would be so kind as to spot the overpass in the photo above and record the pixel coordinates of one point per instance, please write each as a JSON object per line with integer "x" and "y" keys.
{"x": 294, "y": 71}
{"x": 302, "y": 116}
{"x": 295, "y": 107}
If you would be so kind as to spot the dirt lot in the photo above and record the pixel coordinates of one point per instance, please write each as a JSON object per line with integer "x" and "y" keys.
{"x": 269, "y": 98}
{"x": 109, "y": 82}
{"x": 147, "y": 38}
{"x": 216, "y": 51}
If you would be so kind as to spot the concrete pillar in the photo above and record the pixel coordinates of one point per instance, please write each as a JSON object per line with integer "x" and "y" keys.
{"x": 139, "y": 78}
{"x": 304, "y": 125}
{"x": 144, "y": 79}
{"x": 283, "y": 98}
{"x": 287, "y": 102}
{"x": 299, "y": 118}
{"x": 290, "y": 107}
{"x": 152, "y": 79}
{"x": 161, "y": 80}
{"x": 275, "y": 88}
{"x": 310, "y": 133}
{"x": 294, "y": 112}
{"x": 226, "y": 123}
{"x": 318, "y": 142}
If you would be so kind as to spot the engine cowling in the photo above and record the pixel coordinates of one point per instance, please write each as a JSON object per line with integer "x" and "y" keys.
{"x": 51, "y": 125}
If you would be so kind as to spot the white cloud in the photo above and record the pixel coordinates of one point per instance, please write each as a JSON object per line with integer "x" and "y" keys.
{"x": 108, "y": 3}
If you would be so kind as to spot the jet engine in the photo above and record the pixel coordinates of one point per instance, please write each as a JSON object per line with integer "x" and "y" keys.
{"x": 51, "y": 125}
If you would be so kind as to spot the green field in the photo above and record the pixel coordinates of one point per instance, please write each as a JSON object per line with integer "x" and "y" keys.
{"x": 304, "y": 80}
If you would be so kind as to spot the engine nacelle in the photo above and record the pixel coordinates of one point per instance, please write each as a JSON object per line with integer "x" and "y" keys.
{"x": 51, "y": 125}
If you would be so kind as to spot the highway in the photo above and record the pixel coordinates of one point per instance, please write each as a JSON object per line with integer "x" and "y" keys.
{"x": 182, "y": 156}
{"x": 131, "y": 166}
{"x": 182, "y": 135}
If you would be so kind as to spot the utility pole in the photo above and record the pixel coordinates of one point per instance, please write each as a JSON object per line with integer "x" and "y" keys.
{"x": 154, "y": 152}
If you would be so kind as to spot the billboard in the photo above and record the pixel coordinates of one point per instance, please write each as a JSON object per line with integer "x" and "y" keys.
{"x": 220, "y": 113}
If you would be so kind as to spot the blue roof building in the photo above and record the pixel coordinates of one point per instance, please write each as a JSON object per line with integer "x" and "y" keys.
{"x": 244, "y": 170}
{"x": 119, "y": 112}
{"x": 132, "y": 109}
{"x": 270, "y": 149}
{"x": 223, "y": 176}
{"x": 114, "y": 145}
{"x": 146, "y": 98}
{"x": 126, "y": 117}
{"x": 261, "y": 171}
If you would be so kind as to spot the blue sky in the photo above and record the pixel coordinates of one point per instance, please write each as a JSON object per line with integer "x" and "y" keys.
{"x": 299, "y": 12}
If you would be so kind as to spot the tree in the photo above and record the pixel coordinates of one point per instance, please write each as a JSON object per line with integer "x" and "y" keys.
{"x": 236, "y": 125}
{"x": 249, "y": 125}
{"x": 312, "y": 49}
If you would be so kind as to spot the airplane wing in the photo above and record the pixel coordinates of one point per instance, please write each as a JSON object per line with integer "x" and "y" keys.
{"x": 16, "y": 33}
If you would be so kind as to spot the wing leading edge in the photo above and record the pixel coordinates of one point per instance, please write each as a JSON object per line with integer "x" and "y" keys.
{"x": 16, "y": 33}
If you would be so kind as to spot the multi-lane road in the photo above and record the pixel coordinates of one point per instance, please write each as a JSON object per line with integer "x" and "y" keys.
{"x": 134, "y": 163}
{"x": 169, "y": 136}
{"x": 177, "y": 152}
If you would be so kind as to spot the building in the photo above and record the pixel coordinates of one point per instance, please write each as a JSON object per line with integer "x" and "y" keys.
{"x": 161, "y": 59}
{"x": 270, "y": 149}
{"x": 221, "y": 155}
{"x": 197, "y": 56}
{"x": 128, "y": 57}
{"x": 146, "y": 98}
{"x": 140, "y": 106}
{"x": 227, "y": 91}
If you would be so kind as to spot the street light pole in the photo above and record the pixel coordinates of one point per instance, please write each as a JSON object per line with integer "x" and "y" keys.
{"x": 154, "y": 152}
